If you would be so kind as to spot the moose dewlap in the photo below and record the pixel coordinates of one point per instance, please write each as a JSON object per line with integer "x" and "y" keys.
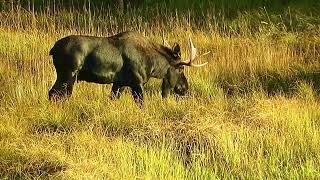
{"x": 126, "y": 59}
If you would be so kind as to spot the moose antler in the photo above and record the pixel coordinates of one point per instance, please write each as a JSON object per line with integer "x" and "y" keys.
{"x": 193, "y": 56}
{"x": 164, "y": 42}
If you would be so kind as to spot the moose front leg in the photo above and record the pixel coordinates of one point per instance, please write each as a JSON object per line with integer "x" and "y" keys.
{"x": 137, "y": 93}
{"x": 168, "y": 82}
{"x": 165, "y": 88}
{"x": 116, "y": 91}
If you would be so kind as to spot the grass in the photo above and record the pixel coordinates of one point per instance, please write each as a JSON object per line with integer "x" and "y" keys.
{"x": 252, "y": 113}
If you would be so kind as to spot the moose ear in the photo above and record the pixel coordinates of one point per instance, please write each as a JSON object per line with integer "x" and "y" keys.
{"x": 176, "y": 48}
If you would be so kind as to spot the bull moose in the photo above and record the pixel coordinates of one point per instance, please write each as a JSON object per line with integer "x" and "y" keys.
{"x": 125, "y": 59}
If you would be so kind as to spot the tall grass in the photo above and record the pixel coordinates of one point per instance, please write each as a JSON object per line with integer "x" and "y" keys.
{"x": 226, "y": 17}
{"x": 252, "y": 113}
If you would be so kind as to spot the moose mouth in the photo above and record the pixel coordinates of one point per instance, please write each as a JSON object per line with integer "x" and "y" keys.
{"x": 180, "y": 91}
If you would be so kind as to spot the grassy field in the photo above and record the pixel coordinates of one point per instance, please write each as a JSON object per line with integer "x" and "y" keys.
{"x": 252, "y": 113}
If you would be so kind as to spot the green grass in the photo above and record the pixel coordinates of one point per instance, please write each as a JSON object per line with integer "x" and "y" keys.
{"x": 252, "y": 113}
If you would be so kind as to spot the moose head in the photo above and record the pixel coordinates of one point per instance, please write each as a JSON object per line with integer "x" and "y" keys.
{"x": 181, "y": 85}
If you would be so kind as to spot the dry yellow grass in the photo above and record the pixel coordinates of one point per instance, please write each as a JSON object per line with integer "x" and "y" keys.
{"x": 252, "y": 113}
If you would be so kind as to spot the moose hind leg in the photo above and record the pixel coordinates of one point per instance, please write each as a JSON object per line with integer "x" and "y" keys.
{"x": 63, "y": 86}
{"x": 137, "y": 93}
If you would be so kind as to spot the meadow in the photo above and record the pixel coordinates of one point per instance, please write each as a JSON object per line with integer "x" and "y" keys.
{"x": 252, "y": 113}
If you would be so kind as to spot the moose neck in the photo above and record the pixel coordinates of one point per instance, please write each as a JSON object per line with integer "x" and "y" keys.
{"x": 161, "y": 62}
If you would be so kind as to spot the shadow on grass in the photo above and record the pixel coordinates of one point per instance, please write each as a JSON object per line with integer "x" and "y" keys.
{"x": 14, "y": 165}
{"x": 50, "y": 128}
{"x": 169, "y": 129}
{"x": 273, "y": 83}
{"x": 52, "y": 125}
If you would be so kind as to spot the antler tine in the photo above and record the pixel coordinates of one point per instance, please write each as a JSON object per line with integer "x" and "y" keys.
{"x": 164, "y": 42}
{"x": 203, "y": 64}
{"x": 193, "y": 55}
{"x": 192, "y": 50}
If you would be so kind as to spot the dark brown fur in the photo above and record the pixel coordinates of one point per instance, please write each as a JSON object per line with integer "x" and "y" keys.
{"x": 126, "y": 59}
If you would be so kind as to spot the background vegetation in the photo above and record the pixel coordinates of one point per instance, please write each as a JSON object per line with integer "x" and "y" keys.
{"x": 252, "y": 113}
